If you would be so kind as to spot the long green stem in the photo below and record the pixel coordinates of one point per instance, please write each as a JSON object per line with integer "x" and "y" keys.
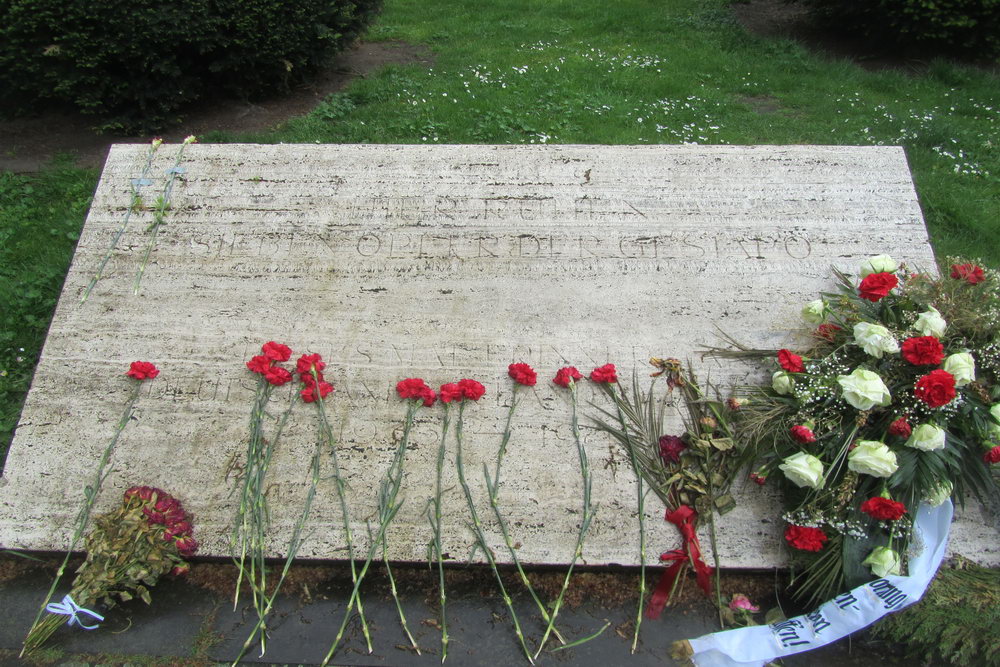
{"x": 90, "y": 494}
{"x": 477, "y": 529}
{"x": 434, "y": 516}
{"x": 162, "y": 205}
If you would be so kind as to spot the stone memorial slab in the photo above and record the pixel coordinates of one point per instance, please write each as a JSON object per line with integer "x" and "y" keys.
{"x": 440, "y": 262}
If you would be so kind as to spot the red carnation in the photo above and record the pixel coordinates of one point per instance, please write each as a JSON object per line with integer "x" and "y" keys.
{"x": 471, "y": 389}
{"x": 883, "y": 509}
{"x": 276, "y": 351}
{"x": 827, "y": 332}
{"x": 307, "y": 363}
{"x": 670, "y": 448}
{"x": 805, "y": 538}
{"x": 309, "y": 393}
{"x": 876, "y": 286}
{"x": 277, "y": 376}
{"x": 923, "y": 351}
{"x": 790, "y": 362}
{"x": 416, "y": 388}
{"x": 970, "y": 273}
{"x": 901, "y": 427}
{"x": 522, "y": 374}
{"x": 142, "y": 370}
{"x": 992, "y": 456}
{"x": 259, "y": 364}
{"x": 759, "y": 480}
{"x": 605, "y": 373}
{"x": 567, "y": 374}
{"x": 937, "y": 388}
{"x": 802, "y": 434}
{"x": 450, "y": 392}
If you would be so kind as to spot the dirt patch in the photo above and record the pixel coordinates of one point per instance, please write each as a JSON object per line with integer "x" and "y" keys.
{"x": 28, "y": 144}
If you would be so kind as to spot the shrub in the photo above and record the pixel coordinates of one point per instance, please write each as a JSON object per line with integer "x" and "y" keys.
{"x": 134, "y": 64}
{"x": 966, "y": 27}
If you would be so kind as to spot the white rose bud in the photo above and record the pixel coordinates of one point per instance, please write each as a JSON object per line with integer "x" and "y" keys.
{"x": 926, "y": 438}
{"x": 930, "y": 323}
{"x": 864, "y": 389}
{"x": 156, "y": 143}
{"x": 814, "y": 312}
{"x": 962, "y": 366}
{"x": 939, "y": 493}
{"x": 782, "y": 383}
{"x": 803, "y": 470}
{"x": 875, "y": 339}
{"x": 878, "y": 264}
{"x": 872, "y": 457}
{"x": 883, "y": 561}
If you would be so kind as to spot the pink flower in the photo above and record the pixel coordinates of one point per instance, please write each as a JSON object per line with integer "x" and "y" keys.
{"x": 142, "y": 370}
{"x": 605, "y": 374}
{"x": 742, "y": 602}
{"x": 522, "y": 374}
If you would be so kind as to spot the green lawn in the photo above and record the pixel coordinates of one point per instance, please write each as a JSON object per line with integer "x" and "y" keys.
{"x": 630, "y": 72}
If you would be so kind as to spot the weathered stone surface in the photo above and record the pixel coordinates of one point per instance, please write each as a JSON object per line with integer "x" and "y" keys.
{"x": 440, "y": 262}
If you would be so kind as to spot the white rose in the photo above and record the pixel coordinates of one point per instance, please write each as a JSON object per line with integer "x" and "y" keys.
{"x": 962, "y": 366}
{"x": 878, "y": 264}
{"x": 930, "y": 323}
{"x": 803, "y": 470}
{"x": 782, "y": 383}
{"x": 883, "y": 561}
{"x": 927, "y": 438}
{"x": 864, "y": 389}
{"x": 814, "y": 312}
{"x": 872, "y": 457}
{"x": 875, "y": 339}
{"x": 939, "y": 494}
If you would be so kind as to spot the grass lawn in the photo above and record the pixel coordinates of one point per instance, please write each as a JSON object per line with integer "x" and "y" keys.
{"x": 526, "y": 71}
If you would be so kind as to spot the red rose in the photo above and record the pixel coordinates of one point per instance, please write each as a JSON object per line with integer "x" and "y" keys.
{"x": 883, "y": 509}
{"x": 970, "y": 273}
{"x": 802, "y": 434}
{"x": 259, "y": 364}
{"x": 276, "y": 351}
{"x": 522, "y": 374}
{"x": 670, "y": 448}
{"x": 936, "y": 388}
{"x": 992, "y": 456}
{"x": 606, "y": 374}
{"x": 142, "y": 370}
{"x": 309, "y": 393}
{"x": 277, "y": 376}
{"x": 471, "y": 389}
{"x": 567, "y": 374}
{"x": 790, "y": 362}
{"x": 827, "y": 332}
{"x": 804, "y": 537}
{"x": 307, "y": 363}
{"x": 923, "y": 351}
{"x": 900, "y": 427}
{"x": 876, "y": 286}
{"x": 450, "y": 392}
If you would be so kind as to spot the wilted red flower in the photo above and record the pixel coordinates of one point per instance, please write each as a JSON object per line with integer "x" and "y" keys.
{"x": 901, "y": 427}
{"x": 180, "y": 570}
{"x": 734, "y": 404}
{"x": 259, "y": 364}
{"x": 790, "y": 361}
{"x": 970, "y": 273}
{"x": 277, "y": 376}
{"x": 143, "y": 493}
{"x": 307, "y": 363}
{"x": 802, "y": 434}
{"x": 759, "y": 480}
{"x": 876, "y": 286}
{"x": 309, "y": 393}
{"x": 923, "y": 351}
{"x": 450, "y": 392}
{"x": 827, "y": 331}
{"x": 142, "y": 370}
{"x": 567, "y": 374}
{"x": 186, "y": 545}
{"x": 605, "y": 374}
{"x": 937, "y": 388}
{"x": 671, "y": 447}
{"x": 522, "y": 374}
{"x": 276, "y": 351}
{"x": 805, "y": 538}
{"x": 883, "y": 509}
{"x": 471, "y": 389}
{"x": 992, "y": 456}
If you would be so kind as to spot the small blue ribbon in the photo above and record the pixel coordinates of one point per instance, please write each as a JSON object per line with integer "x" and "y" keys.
{"x": 140, "y": 182}
{"x": 176, "y": 170}
{"x": 71, "y": 609}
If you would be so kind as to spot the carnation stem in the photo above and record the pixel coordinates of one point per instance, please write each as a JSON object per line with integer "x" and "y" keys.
{"x": 434, "y": 516}
{"x": 34, "y": 638}
{"x": 477, "y": 530}
{"x": 162, "y": 205}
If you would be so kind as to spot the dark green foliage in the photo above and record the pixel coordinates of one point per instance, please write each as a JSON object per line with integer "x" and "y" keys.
{"x": 956, "y": 621}
{"x": 969, "y": 27}
{"x": 134, "y": 64}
